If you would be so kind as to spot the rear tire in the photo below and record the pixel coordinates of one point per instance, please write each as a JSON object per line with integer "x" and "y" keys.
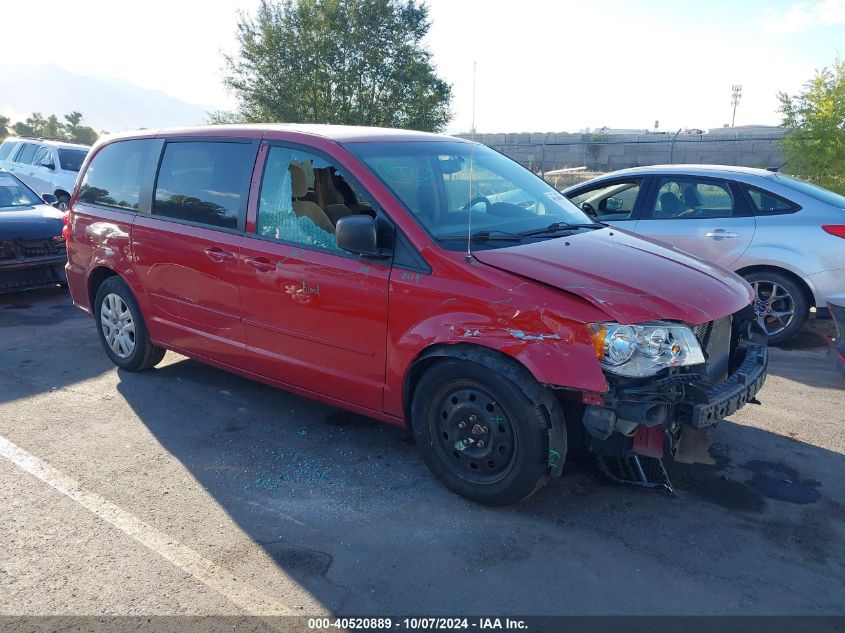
{"x": 121, "y": 326}
{"x": 781, "y": 315}
{"x": 479, "y": 433}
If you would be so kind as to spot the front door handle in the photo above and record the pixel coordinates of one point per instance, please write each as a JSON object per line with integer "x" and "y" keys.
{"x": 721, "y": 233}
{"x": 260, "y": 263}
{"x": 219, "y": 256}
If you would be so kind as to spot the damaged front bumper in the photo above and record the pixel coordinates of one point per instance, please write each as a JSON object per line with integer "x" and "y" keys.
{"x": 681, "y": 398}
{"x": 642, "y": 422}
{"x": 705, "y": 407}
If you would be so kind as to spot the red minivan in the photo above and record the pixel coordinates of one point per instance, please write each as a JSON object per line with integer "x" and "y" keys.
{"x": 415, "y": 278}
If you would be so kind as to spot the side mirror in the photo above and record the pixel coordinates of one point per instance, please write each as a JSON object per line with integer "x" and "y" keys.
{"x": 49, "y": 198}
{"x": 613, "y": 204}
{"x": 48, "y": 165}
{"x": 358, "y": 234}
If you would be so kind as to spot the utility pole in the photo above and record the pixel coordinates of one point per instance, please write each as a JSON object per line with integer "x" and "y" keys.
{"x": 735, "y": 97}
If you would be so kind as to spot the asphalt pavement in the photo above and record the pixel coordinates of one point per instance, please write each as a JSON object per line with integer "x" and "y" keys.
{"x": 187, "y": 490}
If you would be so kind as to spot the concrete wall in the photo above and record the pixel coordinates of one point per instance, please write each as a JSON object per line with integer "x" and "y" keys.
{"x": 750, "y": 147}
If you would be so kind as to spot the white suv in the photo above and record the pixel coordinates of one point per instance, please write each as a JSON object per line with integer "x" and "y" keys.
{"x": 46, "y": 166}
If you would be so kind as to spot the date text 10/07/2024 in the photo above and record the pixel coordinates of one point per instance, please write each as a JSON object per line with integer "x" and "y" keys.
{"x": 417, "y": 624}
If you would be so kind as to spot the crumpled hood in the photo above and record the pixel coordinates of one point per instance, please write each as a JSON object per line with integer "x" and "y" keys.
{"x": 30, "y": 223}
{"x": 630, "y": 278}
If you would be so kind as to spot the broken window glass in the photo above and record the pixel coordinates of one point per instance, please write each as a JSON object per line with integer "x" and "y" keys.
{"x": 288, "y": 210}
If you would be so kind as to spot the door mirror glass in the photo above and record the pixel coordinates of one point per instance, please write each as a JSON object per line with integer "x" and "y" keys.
{"x": 614, "y": 204}
{"x": 357, "y": 234}
{"x": 49, "y": 198}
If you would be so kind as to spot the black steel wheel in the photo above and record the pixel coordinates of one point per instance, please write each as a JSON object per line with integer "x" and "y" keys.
{"x": 480, "y": 434}
{"x": 474, "y": 433}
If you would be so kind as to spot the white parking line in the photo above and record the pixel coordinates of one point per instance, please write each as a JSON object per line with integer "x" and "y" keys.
{"x": 251, "y": 600}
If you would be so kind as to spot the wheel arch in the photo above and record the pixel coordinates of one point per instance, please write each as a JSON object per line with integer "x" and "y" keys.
{"x": 805, "y": 288}
{"x": 506, "y": 365}
{"x": 95, "y": 279}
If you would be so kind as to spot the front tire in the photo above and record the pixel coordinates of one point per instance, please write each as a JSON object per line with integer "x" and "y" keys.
{"x": 121, "y": 326}
{"x": 63, "y": 202}
{"x": 479, "y": 433}
{"x": 780, "y": 304}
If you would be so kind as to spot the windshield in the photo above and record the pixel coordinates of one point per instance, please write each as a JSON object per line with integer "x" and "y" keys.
{"x": 71, "y": 159}
{"x": 13, "y": 193}
{"x": 442, "y": 183}
{"x": 814, "y": 191}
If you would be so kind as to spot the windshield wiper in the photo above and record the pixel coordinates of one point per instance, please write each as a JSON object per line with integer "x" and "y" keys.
{"x": 558, "y": 227}
{"x": 483, "y": 236}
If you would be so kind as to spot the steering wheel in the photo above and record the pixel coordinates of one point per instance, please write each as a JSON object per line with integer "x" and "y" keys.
{"x": 476, "y": 199}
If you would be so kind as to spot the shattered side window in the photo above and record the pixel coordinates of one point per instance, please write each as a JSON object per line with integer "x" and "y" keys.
{"x": 302, "y": 197}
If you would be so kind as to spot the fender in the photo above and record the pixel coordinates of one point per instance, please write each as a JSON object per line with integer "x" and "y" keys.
{"x": 801, "y": 263}
{"x": 556, "y": 351}
{"x": 112, "y": 249}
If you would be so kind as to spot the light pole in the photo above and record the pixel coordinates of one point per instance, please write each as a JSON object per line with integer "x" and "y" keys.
{"x": 735, "y": 97}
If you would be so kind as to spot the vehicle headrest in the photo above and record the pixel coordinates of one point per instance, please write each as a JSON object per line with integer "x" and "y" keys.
{"x": 691, "y": 197}
{"x": 298, "y": 181}
{"x": 669, "y": 203}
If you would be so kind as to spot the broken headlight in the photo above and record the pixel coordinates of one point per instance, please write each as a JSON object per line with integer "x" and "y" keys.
{"x": 644, "y": 349}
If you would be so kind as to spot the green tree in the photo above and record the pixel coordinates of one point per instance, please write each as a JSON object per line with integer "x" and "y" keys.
{"x": 814, "y": 144}
{"x": 358, "y": 62}
{"x": 71, "y": 130}
{"x": 4, "y": 126}
{"x": 33, "y": 126}
{"x": 75, "y": 132}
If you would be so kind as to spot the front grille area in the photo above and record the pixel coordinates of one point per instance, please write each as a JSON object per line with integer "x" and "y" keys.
{"x": 715, "y": 340}
{"x": 25, "y": 249}
{"x": 22, "y": 278}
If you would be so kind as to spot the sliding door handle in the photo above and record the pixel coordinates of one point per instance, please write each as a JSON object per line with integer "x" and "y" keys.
{"x": 219, "y": 256}
{"x": 260, "y": 263}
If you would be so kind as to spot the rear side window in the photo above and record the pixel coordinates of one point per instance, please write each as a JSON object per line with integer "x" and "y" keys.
{"x": 27, "y": 153}
{"x": 113, "y": 179}
{"x": 6, "y": 149}
{"x": 72, "y": 159}
{"x": 767, "y": 203}
{"x": 204, "y": 182}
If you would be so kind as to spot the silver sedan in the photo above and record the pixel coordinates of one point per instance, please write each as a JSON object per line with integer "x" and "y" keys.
{"x": 784, "y": 235}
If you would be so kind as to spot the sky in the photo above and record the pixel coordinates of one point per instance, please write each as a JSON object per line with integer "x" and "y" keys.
{"x": 542, "y": 65}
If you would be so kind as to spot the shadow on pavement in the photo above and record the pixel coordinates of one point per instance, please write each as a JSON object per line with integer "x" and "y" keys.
{"x": 30, "y": 319}
{"x": 344, "y": 506}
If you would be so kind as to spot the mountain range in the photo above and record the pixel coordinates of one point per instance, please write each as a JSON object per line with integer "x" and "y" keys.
{"x": 106, "y": 103}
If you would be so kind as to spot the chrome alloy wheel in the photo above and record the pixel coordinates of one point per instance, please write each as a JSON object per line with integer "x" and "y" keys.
{"x": 118, "y": 325}
{"x": 774, "y": 307}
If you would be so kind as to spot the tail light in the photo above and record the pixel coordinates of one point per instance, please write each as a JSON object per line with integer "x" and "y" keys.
{"x": 66, "y": 227}
{"x": 834, "y": 229}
